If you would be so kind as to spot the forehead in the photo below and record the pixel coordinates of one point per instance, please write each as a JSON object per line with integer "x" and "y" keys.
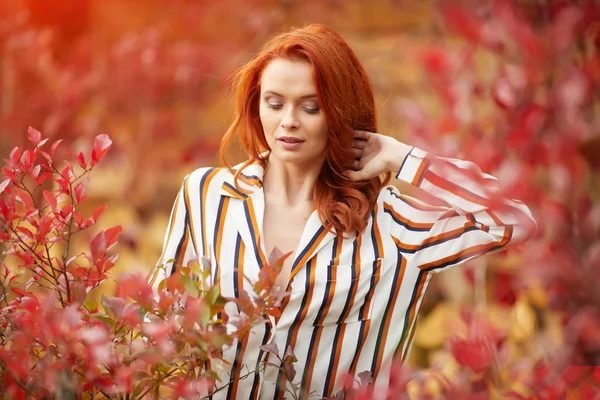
{"x": 293, "y": 78}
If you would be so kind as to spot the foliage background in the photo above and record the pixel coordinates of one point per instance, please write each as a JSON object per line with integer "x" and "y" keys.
{"x": 153, "y": 75}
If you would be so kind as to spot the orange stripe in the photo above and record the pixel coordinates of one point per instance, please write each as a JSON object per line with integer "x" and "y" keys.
{"x": 441, "y": 236}
{"x": 173, "y": 219}
{"x": 179, "y": 261}
{"x": 457, "y": 190}
{"x": 412, "y": 224}
{"x": 236, "y": 376}
{"x": 323, "y": 315}
{"x": 411, "y": 316}
{"x": 388, "y": 321}
{"x": 204, "y": 189}
{"x": 338, "y": 353}
{"x": 171, "y": 225}
{"x": 419, "y": 175}
{"x": 254, "y": 228}
{"x": 471, "y": 251}
{"x": 367, "y": 305}
{"x": 378, "y": 239}
{"x": 303, "y": 313}
{"x": 367, "y": 325}
{"x": 220, "y": 229}
{"x": 232, "y": 192}
{"x": 308, "y": 253}
{"x": 311, "y": 363}
{"x": 240, "y": 266}
{"x": 413, "y": 203}
{"x": 299, "y": 264}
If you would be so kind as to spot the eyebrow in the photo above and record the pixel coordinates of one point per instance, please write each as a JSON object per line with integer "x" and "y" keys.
{"x": 306, "y": 96}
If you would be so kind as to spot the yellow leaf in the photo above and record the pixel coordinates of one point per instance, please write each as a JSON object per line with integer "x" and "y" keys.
{"x": 432, "y": 330}
{"x": 523, "y": 320}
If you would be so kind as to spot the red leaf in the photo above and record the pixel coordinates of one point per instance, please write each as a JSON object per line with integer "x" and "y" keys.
{"x": 461, "y": 21}
{"x": 67, "y": 172}
{"x": 98, "y": 244}
{"x": 80, "y": 192}
{"x": 50, "y": 199}
{"x": 4, "y": 184}
{"x": 81, "y": 160}
{"x": 25, "y": 231}
{"x": 270, "y": 348}
{"x": 15, "y": 154}
{"x": 35, "y": 137}
{"x": 54, "y": 146}
{"x": 504, "y": 94}
{"x": 97, "y": 213}
{"x": 474, "y": 354}
{"x": 28, "y": 158}
{"x": 101, "y": 145}
{"x": 112, "y": 235}
{"x": 24, "y": 198}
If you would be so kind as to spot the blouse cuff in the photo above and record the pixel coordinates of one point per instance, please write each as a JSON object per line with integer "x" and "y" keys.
{"x": 414, "y": 166}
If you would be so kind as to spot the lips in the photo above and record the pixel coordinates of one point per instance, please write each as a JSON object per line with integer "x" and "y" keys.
{"x": 290, "y": 139}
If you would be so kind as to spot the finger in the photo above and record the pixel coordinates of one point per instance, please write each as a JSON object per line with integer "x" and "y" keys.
{"x": 364, "y": 135}
{"x": 354, "y": 175}
{"x": 359, "y": 143}
{"x": 357, "y": 152}
{"x": 356, "y": 165}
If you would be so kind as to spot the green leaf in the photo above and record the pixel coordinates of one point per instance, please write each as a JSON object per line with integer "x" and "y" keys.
{"x": 212, "y": 375}
{"x": 190, "y": 286}
{"x": 105, "y": 306}
{"x": 212, "y": 295}
{"x": 105, "y": 318}
{"x": 91, "y": 305}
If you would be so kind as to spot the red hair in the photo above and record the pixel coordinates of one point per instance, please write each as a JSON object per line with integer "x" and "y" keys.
{"x": 345, "y": 96}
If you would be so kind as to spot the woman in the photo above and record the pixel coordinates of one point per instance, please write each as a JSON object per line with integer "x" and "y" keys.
{"x": 363, "y": 253}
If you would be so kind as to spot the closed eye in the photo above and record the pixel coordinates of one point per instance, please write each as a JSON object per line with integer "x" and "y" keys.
{"x": 310, "y": 110}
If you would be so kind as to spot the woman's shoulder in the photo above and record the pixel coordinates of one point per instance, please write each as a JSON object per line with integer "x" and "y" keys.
{"x": 206, "y": 180}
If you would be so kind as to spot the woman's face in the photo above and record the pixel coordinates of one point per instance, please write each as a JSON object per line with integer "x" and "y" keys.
{"x": 293, "y": 123}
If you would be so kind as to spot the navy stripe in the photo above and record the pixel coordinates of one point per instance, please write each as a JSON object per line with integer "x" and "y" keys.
{"x": 307, "y": 248}
{"x": 413, "y": 298}
{"x": 307, "y": 365}
{"x": 349, "y": 297}
{"x": 260, "y": 354}
{"x": 296, "y": 321}
{"x": 234, "y": 367}
{"x": 217, "y": 223}
{"x": 251, "y": 177}
{"x": 388, "y": 308}
{"x": 178, "y": 251}
{"x": 404, "y": 161}
{"x": 236, "y": 267}
{"x": 252, "y": 233}
{"x": 413, "y": 203}
{"x": 363, "y": 309}
{"x": 471, "y": 255}
{"x": 404, "y": 224}
{"x": 439, "y": 241}
{"x": 201, "y": 206}
{"x": 242, "y": 195}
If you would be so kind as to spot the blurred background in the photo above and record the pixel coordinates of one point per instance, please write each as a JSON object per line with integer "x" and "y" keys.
{"x": 511, "y": 85}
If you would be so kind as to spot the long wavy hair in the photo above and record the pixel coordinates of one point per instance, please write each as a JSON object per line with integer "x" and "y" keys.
{"x": 346, "y": 97}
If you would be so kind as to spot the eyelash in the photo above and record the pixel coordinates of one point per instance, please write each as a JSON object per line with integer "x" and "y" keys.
{"x": 308, "y": 110}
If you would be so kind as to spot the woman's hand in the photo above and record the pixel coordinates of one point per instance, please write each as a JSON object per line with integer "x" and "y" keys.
{"x": 375, "y": 154}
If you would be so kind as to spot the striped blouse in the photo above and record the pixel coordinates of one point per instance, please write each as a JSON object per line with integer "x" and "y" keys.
{"x": 354, "y": 299}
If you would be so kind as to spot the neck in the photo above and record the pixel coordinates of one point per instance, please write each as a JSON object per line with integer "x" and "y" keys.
{"x": 290, "y": 184}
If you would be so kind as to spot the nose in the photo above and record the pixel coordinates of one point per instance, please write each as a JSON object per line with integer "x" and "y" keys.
{"x": 289, "y": 121}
